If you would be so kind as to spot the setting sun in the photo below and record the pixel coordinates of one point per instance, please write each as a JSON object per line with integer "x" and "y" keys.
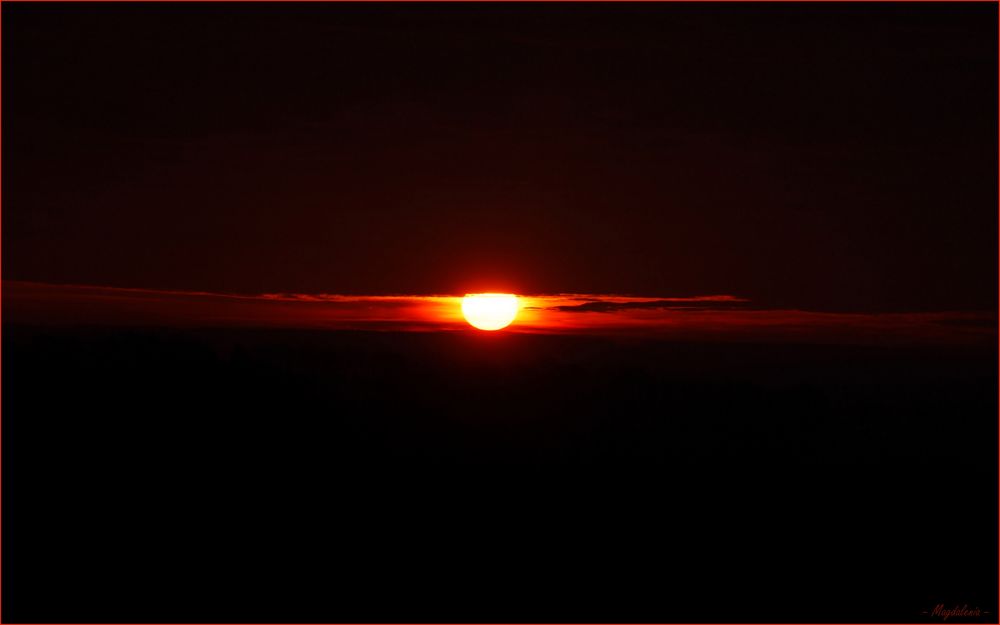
{"x": 490, "y": 311}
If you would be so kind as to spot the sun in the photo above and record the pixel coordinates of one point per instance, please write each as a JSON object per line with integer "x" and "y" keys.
{"x": 490, "y": 311}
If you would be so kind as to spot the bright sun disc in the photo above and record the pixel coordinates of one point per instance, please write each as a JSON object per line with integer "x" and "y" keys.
{"x": 490, "y": 311}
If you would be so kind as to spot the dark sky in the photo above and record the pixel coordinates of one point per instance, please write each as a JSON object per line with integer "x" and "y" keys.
{"x": 821, "y": 156}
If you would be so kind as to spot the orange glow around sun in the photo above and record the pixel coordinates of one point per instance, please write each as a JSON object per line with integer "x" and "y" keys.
{"x": 490, "y": 311}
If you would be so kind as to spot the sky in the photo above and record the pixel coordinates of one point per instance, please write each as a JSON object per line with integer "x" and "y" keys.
{"x": 819, "y": 157}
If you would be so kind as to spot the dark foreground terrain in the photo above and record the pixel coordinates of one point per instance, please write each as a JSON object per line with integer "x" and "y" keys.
{"x": 283, "y": 476}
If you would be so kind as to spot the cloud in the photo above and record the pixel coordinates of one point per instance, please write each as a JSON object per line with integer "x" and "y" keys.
{"x": 702, "y": 318}
{"x": 675, "y": 303}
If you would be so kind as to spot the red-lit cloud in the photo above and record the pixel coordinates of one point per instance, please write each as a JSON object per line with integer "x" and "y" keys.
{"x": 713, "y": 317}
